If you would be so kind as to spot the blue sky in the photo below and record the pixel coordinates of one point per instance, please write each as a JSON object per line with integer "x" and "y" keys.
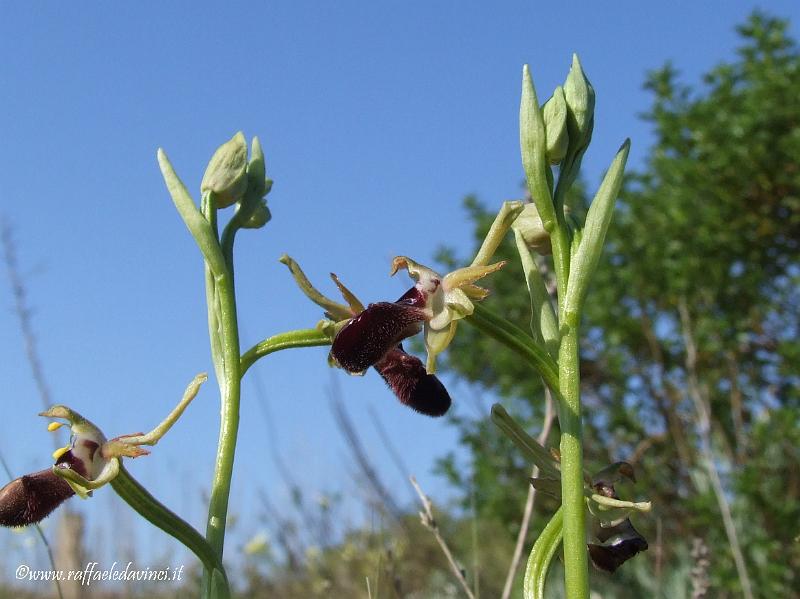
{"x": 376, "y": 120}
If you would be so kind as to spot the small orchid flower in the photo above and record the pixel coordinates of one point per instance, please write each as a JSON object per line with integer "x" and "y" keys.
{"x": 87, "y": 462}
{"x": 371, "y": 337}
{"x": 613, "y": 538}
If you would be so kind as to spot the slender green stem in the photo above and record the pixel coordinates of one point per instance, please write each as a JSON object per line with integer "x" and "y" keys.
{"x": 541, "y": 555}
{"x": 516, "y": 339}
{"x": 136, "y": 496}
{"x": 224, "y": 333}
{"x": 214, "y": 333}
{"x": 290, "y": 339}
{"x": 576, "y": 564}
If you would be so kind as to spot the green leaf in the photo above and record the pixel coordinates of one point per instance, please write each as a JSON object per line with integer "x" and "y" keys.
{"x": 585, "y": 260}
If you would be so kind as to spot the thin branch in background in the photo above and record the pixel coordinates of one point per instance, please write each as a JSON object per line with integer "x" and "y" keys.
{"x": 39, "y": 530}
{"x": 348, "y": 430}
{"x": 285, "y": 533}
{"x": 476, "y": 561}
{"x": 704, "y": 432}
{"x": 397, "y": 459}
{"x": 547, "y": 424}
{"x": 429, "y": 522}
{"x": 659, "y": 556}
{"x": 737, "y": 407}
{"x": 643, "y": 445}
{"x": 23, "y": 312}
{"x": 310, "y": 521}
{"x": 272, "y": 433}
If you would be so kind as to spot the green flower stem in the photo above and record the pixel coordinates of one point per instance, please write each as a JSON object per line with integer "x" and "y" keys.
{"x": 541, "y": 555}
{"x": 221, "y": 302}
{"x": 136, "y": 496}
{"x": 290, "y": 339}
{"x": 214, "y": 333}
{"x": 229, "y": 233}
{"x": 515, "y": 338}
{"x": 576, "y": 566}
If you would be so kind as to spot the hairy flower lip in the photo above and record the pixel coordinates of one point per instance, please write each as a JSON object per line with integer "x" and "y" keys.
{"x": 406, "y": 376}
{"x": 373, "y": 333}
{"x": 32, "y": 497}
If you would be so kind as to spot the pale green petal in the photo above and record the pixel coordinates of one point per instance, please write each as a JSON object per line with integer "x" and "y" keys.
{"x": 458, "y": 303}
{"x": 436, "y": 341}
{"x": 469, "y": 274}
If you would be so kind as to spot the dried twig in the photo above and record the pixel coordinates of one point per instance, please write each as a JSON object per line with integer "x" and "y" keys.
{"x": 429, "y": 522}
{"x": 31, "y": 352}
{"x": 368, "y": 471}
{"x": 397, "y": 459}
{"x": 704, "y": 433}
{"x": 529, "y": 502}
{"x": 23, "y": 313}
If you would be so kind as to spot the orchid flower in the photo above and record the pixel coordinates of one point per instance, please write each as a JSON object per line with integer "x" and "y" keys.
{"x": 372, "y": 336}
{"x": 87, "y": 462}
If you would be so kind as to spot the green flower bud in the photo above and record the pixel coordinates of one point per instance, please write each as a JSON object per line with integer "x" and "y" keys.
{"x": 259, "y": 217}
{"x": 226, "y": 173}
{"x": 256, "y": 171}
{"x": 529, "y": 224}
{"x": 579, "y": 95}
{"x": 555, "y": 123}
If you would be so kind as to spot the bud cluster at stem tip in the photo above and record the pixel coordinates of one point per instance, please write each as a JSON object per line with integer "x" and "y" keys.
{"x": 230, "y": 179}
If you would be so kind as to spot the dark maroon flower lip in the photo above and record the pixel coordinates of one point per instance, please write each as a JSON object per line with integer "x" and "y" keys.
{"x": 373, "y": 337}
{"x": 31, "y": 498}
{"x": 368, "y": 337}
{"x": 413, "y": 297}
{"x": 406, "y": 376}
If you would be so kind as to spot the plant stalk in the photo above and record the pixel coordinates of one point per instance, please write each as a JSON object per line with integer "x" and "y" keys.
{"x": 576, "y": 566}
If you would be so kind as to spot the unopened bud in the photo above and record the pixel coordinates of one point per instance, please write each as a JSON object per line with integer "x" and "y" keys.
{"x": 579, "y": 95}
{"x": 529, "y": 224}
{"x": 259, "y": 217}
{"x": 226, "y": 173}
{"x": 257, "y": 171}
{"x": 555, "y": 123}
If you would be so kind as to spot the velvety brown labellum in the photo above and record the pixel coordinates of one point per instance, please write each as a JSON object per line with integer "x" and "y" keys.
{"x": 30, "y": 498}
{"x": 372, "y": 334}
{"x": 406, "y": 376}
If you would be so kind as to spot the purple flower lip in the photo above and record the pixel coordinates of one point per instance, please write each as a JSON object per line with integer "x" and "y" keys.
{"x": 372, "y": 338}
{"x": 406, "y": 376}
{"x": 368, "y": 337}
{"x": 31, "y": 498}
